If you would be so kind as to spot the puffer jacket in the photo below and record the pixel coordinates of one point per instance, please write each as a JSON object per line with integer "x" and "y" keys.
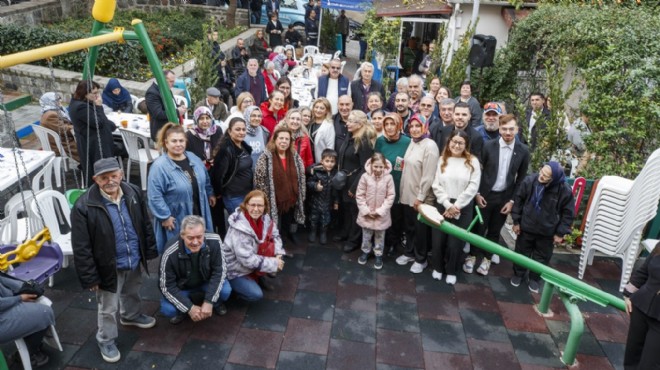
{"x": 241, "y": 245}
{"x": 321, "y": 200}
{"x": 93, "y": 236}
{"x": 375, "y": 194}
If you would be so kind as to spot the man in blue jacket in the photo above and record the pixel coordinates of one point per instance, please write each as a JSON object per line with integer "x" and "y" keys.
{"x": 333, "y": 85}
{"x": 253, "y": 82}
{"x": 112, "y": 236}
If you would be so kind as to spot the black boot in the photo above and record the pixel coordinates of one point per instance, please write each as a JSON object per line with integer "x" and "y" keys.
{"x": 312, "y": 234}
{"x": 292, "y": 234}
{"x": 323, "y": 237}
{"x": 265, "y": 285}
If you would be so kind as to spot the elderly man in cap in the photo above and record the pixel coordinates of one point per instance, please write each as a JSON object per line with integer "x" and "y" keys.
{"x": 489, "y": 128}
{"x": 214, "y": 102}
{"x": 112, "y": 236}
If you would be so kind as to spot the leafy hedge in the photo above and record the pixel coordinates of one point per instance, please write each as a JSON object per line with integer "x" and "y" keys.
{"x": 171, "y": 32}
{"x": 613, "y": 51}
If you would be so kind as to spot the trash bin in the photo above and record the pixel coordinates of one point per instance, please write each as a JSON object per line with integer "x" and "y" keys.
{"x": 339, "y": 43}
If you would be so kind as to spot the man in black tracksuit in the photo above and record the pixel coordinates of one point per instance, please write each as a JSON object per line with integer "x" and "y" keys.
{"x": 543, "y": 212}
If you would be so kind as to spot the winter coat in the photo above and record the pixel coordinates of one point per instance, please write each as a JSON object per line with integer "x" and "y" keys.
{"x": 375, "y": 194}
{"x": 324, "y": 138}
{"x": 263, "y": 180}
{"x": 557, "y": 209}
{"x": 170, "y": 195}
{"x": 270, "y": 120}
{"x": 93, "y": 236}
{"x": 51, "y": 119}
{"x": 303, "y": 147}
{"x": 176, "y": 266}
{"x": 241, "y": 245}
{"x": 320, "y": 201}
{"x": 352, "y": 163}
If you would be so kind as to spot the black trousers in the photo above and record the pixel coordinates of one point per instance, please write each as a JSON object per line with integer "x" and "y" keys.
{"x": 643, "y": 343}
{"x": 218, "y": 217}
{"x": 448, "y": 250}
{"x": 493, "y": 222}
{"x": 352, "y": 231}
{"x": 394, "y": 234}
{"x": 537, "y": 247}
{"x": 418, "y": 235}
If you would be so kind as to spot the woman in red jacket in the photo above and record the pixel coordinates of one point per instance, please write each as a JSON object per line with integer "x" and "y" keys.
{"x": 301, "y": 142}
{"x": 273, "y": 110}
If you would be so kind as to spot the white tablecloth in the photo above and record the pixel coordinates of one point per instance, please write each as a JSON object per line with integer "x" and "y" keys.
{"x": 136, "y": 122}
{"x": 34, "y": 159}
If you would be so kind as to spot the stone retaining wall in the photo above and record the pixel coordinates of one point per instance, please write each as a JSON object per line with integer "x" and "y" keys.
{"x": 36, "y": 80}
{"x": 32, "y": 12}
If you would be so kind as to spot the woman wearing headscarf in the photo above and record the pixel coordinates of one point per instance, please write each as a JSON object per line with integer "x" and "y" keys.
{"x": 543, "y": 211}
{"x": 56, "y": 118}
{"x": 421, "y": 162}
{"x": 117, "y": 97}
{"x": 281, "y": 175}
{"x": 393, "y": 145}
{"x": 256, "y": 135}
{"x": 203, "y": 136}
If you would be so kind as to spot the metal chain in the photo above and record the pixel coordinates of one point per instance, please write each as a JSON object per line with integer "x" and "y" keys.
{"x": 60, "y": 117}
{"x": 11, "y": 129}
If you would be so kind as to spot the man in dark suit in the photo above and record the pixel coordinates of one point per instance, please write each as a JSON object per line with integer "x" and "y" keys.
{"x": 359, "y": 89}
{"x": 505, "y": 163}
{"x": 156, "y": 105}
{"x": 536, "y": 117}
{"x": 341, "y": 118}
{"x": 461, "y": 122}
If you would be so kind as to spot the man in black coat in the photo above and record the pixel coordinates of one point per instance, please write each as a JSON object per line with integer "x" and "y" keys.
{"x": 462, "y": 122}
{"x": 156, "y": 105}
{"x": 536, "y": 118}
{"x": 112, "y": 237}
{"x": 505, "y": 162}
{"x": 345, "y": 106}
{"x": 360, "y": 89}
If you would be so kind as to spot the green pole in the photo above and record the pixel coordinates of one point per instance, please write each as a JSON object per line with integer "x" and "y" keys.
{"x": 90, "y": 66}
{"x": 546, "y": 297}
{"x": 577, "y": 328}
{"x": 575, "y": 286}
{"x": 157, "y": 70}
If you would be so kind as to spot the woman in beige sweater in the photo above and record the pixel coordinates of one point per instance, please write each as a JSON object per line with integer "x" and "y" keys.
{"x": 419, "y": 166}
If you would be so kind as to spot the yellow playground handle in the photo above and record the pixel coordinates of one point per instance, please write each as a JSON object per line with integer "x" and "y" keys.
{"x": 26, "y": 250}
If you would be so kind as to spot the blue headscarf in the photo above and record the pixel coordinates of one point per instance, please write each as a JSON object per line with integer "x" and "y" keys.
{"x": 558, "y": 177}
{"x": 115, "y": 101}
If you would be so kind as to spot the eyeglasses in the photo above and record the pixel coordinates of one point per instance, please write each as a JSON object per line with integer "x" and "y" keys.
{"x": 457, "y": 143}
{"x": 258, "y": 206}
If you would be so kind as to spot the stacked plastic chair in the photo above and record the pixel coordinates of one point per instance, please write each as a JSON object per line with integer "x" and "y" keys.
{"x": 618, "y": 213}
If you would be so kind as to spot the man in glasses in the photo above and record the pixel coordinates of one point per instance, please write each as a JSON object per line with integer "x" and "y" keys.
{"x": 333, "y": 85}
{"x": 505, "y": 162}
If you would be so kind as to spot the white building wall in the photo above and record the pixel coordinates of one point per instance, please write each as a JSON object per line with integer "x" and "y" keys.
{"x": 490, "y": 22}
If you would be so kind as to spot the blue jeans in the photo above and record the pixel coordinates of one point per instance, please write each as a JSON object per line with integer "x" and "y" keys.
{"x": 246, "y": 288}
{"x": 168, "y": 309}
{"x": 231, "y": 203}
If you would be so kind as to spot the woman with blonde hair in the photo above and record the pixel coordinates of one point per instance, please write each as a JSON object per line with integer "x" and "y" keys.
{"x": 243, "y": 101}
{"x": 352, "y": 156}
{"x": 301, "y": 143}
{"x": 321, "y": 128}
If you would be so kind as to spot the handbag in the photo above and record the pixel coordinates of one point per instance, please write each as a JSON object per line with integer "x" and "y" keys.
{"x": 266, "y": 249}
{"x": 339, "y": 179}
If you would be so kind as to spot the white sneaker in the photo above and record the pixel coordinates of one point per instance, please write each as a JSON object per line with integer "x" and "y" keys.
{"x": 417, "y": 267}
{"x": 466, "y": 248}
{"x": 468, "y": 266}
{"x": 404, "y": 260}
{"x": 436, "y": 275}
{"x": 495, "y": 259}
{"x": 451, "y": 279}
{"x": 484, "y": 267}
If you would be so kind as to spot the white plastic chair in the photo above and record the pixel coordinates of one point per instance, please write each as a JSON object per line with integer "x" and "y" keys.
{"x": 337, "y": 55}
{"x": 618, "y": 213}
{"x": 22, "y": 347}
{"x": 649, "y": 244}
{"x": 343, "y": 64}
{"x": 43, "y": 134}
{"x": 134, "y": 100}
{"x": 53, "y": 218}
{"x": 143, "y": 155}
{"x": 293, "y": 50}
{"x": 310, "y": 49}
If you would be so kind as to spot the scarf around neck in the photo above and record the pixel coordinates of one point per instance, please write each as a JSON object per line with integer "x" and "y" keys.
{"x": 285, "y": 181}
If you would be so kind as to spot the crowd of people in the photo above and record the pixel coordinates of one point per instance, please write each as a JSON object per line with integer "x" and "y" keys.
{"x": 230, "y": 193}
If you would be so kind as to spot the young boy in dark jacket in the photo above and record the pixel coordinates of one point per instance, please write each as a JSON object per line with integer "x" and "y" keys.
{"x": 542, "y": 214}
{"x": 322, "y": 196}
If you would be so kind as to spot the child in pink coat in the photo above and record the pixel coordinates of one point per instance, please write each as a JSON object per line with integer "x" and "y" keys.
{"x": 375, "y": 196}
